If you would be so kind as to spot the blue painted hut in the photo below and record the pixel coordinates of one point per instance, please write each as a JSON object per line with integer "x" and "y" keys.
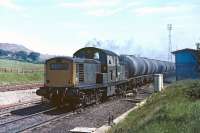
{"x": 187, "y": 64}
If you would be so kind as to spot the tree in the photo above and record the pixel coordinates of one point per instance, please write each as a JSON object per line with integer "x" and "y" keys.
{"x": 3, "y": 52}
{"x": 21, "y": 55}
{"x": 34, "y": 56}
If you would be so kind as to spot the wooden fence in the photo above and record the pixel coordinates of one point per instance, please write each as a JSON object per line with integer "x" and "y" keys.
{"x": 21, "y": 70}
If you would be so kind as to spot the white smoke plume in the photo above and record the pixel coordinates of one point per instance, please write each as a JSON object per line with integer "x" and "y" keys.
{"x": 128, "y": 47}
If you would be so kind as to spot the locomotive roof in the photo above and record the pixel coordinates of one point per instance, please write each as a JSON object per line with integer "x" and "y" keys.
{"x": 77, "y": 60}
{"x": 107, "y": 52}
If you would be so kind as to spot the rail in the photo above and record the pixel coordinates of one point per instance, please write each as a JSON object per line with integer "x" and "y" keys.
{"x": 6, "y": 110}
{"x": 45, "y": 111}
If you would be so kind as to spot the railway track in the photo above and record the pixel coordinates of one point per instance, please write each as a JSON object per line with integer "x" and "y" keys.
{"x": 85, "y": 117}
{"x": 142, "y": 93}
{"x": 6, "y": 110}
{"x": 16, "y": 123}
{"x": 34, "y": 121}
{"x": 28, "y": 123}
{"x": 37, "y": 125}
{"x": 10, "y": 122}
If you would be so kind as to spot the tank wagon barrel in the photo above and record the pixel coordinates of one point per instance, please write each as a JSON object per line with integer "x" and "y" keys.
{"x": 137, "y": 66}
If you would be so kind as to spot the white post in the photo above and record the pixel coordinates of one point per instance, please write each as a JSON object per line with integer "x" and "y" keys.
{"x": 158, "y": 82}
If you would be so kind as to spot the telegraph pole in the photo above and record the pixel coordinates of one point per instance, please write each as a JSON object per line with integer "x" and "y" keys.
{"x": 169, "y": 27}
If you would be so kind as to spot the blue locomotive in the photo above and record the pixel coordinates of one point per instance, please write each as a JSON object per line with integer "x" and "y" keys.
{"x": 93, "y": 74}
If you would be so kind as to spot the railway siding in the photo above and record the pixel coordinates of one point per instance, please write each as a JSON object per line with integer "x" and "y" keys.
{"x": 17, "y": 123}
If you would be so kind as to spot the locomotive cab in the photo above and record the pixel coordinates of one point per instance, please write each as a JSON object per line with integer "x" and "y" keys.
{"x": 59, "y": 72}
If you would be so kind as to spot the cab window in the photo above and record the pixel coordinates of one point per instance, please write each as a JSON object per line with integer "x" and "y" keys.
{"x": 59, "y": 66}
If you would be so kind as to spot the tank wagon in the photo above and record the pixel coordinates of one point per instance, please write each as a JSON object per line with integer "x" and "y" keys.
{"x": 93, "y": 74}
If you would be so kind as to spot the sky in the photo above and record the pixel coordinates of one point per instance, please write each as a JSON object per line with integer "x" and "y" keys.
{"x": 61, "y": 27}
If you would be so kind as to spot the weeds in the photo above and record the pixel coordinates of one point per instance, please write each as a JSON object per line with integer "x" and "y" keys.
{"x": 175, "y": 113}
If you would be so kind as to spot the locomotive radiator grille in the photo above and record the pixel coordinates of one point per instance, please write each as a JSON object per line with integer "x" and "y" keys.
{"x": 81, "y": 72}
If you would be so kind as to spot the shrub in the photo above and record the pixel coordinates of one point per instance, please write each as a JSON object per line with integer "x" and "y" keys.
{"x": 193, "y": 93}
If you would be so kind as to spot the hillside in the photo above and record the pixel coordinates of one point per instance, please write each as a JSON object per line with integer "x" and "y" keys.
{"x": 21, "y": 53}
{"x": 14, "y": 47}
{"x": 175, "y": 110}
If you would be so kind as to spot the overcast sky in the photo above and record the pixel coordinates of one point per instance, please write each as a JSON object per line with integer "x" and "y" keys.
{"x": 63, "y": 26}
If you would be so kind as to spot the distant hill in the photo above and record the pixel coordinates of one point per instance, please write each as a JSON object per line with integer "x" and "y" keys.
{"x": 14, "y": 47}
{"x": 21, "y": 53}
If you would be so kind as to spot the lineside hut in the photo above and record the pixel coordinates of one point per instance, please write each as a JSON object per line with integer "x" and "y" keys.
{"x": 187, "y": 63}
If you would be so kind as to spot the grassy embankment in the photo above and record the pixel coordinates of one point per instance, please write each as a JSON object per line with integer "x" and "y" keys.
{"x": 11, "y": 78}
{"x": 175, "y": 110}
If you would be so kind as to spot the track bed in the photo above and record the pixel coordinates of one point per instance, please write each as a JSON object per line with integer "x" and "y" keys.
{"x": 20, "y": 87}
{"x": 95, "y": 116}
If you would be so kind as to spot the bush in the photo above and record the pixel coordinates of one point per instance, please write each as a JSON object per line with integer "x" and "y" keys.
{"x": 193, "y": 93}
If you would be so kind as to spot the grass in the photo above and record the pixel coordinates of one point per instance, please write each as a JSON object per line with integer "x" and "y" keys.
{"x": 12, "y": 78}
{"x": 19, "y": 64}
{"x": 175, "y": 110}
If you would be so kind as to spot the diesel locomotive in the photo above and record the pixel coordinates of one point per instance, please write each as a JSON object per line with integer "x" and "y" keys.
{"x": 94, "y": 74}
